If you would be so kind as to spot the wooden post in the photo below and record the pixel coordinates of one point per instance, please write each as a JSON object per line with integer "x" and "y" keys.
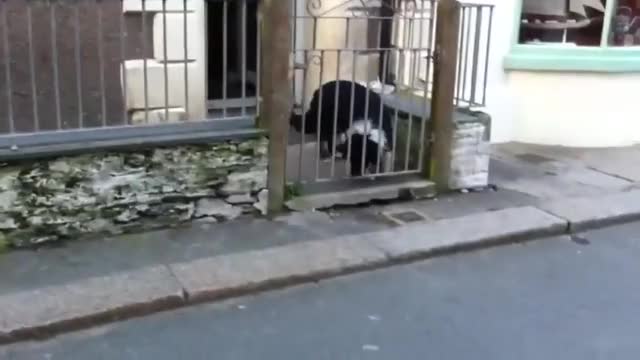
{"x": 276, "y": 86}
{"x": 442, "y": 108}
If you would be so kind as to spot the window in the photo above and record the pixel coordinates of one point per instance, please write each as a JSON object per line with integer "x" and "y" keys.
{"x": 625, "y": 26}
{"x": 578, "y": 22}
{"x": 589, "y": 35}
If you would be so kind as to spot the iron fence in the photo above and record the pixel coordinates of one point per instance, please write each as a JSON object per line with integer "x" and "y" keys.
{"x": 130, "y": 71}
{"x": 476, "y": 24}
{"x": 385, "y": 47}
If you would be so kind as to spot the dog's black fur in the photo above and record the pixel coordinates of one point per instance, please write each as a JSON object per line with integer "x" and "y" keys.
{"x": 360, "y": 110}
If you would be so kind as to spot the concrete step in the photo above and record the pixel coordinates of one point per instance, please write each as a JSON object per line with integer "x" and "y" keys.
{"x": 360, "y": 191}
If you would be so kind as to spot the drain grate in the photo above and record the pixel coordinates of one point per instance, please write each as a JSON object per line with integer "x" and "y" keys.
{"x": 405, "y": 216}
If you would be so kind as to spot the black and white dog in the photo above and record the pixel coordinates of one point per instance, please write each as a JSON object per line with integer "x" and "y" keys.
{"x": 366, "y": 131}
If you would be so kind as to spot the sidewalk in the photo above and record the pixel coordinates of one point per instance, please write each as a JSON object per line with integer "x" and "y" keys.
{"x": 540, "y": 191}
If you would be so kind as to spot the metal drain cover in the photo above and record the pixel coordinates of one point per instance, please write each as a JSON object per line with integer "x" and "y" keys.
{"x": 405, "y": 216}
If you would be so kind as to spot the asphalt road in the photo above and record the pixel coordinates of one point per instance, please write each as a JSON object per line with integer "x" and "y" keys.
{"x": 557, "y": 298}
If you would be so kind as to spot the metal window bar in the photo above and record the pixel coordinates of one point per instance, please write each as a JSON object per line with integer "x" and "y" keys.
{"x": 34, "y": 87}
{"x": 225, "y": 55}
{"x": 165, "y": 60}
{"x": 185, "y": 40}
{"x": 243, "y": 56}
{"x": 54, "y": 55}
{"x": 474, "y": 47}
{"x": 78, "y": 63}
{"x": 123, "y": 57}
{"x": 7, "y": 63}
{"x": 113, "y": 74}
{"x": 145, "y": 70}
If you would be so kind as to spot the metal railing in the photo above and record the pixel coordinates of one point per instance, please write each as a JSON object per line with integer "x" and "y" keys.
{"x": 474, "y": 42}
{"x": 89, "y": 72}
{"x": 476, "y": 24}
{"x": 387, "y": 47}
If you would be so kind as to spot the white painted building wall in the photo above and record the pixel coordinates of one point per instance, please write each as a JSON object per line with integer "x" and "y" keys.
{"x": 576, "y": 109}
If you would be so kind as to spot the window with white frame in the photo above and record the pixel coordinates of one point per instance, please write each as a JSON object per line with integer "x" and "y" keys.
{"x": 580, "y": 22}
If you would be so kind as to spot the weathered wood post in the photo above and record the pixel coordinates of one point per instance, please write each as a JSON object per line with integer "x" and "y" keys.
{"x": 276, "y": 93}
{"x": 444, "y": 80}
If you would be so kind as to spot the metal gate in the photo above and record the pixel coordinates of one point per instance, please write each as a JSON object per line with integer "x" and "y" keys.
{"x": 381, "y": 46}
{"x": 376, "y": 52}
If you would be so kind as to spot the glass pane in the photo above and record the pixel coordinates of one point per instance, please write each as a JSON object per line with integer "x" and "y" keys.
{"x": 625, "y": 27}
{"x": 576, "y": 22}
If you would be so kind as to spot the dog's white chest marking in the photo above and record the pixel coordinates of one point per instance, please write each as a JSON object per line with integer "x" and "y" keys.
{"x": 366, "y": 128}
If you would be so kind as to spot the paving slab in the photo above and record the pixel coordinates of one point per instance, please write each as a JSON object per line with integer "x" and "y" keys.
{"x": 482, "y": 229}
{"x": 450, "y": 206}
{"x": 591, "y": 212}
{"x": 78, "y": 260}
{"x": 220, "y": 276}
{"x": 50, "y": 309}
{"x": 617, "y": 162}
{"x": 551, "y": 180}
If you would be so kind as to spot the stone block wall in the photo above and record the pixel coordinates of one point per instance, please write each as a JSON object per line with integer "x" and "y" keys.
{"x": 470, "y": 152}
{"x": 109, "y": 193}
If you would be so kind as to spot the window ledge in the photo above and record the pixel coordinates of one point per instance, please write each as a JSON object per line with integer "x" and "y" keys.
{"x": 569, "y": 58}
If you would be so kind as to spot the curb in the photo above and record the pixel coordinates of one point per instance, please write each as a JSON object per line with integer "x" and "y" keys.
{"x": 46, "y": 312}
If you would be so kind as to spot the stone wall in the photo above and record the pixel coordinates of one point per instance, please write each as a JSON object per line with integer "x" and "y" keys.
{"x": 117, "y": 192}
{"x": 470, "y": 152}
